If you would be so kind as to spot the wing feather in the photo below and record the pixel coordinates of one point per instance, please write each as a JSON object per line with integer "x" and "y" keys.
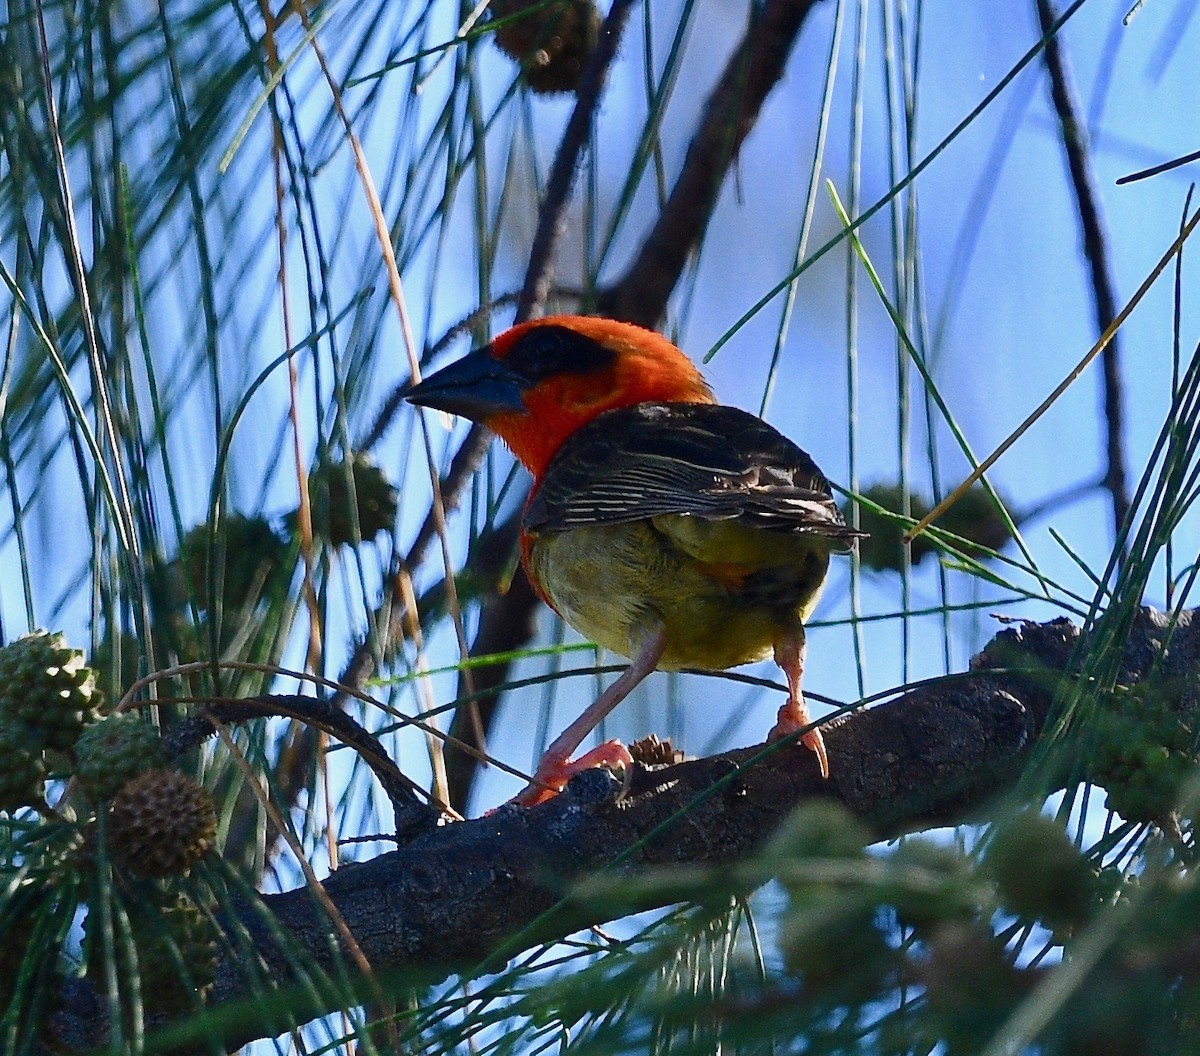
{"x": 706, "y": 460}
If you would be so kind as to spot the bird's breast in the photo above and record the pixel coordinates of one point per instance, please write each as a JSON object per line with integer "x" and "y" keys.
{"x": 721, "y": 601}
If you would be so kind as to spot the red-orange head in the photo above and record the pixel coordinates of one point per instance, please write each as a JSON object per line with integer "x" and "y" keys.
{"x": 535, "y": 384}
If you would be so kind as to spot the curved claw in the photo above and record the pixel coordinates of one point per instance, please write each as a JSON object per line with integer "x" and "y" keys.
{"x": 793, "y": 716}
{"x": 790, "y": 722}
{"x": 554, "y": 772}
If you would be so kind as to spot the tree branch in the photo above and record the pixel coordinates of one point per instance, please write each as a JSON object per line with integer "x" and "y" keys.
{"x": 482, "y": 891}
{"x": 641, "y": 294}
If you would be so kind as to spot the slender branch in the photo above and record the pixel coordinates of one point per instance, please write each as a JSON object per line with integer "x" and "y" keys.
{"x": 1095, "y": 247}
{"x": 507, "y": 621}
{"x": 552, "y": 215}
{"x": 413, "y": 813}
{"x": 756, "y": 66}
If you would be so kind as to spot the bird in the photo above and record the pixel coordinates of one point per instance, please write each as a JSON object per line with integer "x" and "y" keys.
{"x": 664, "y": 526}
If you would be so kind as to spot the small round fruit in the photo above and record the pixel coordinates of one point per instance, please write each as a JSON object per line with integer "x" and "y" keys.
{"x": 115, "y": 750}
{"x": 46, "y": 685}
{"x": 553, "y": 43}
{"x": 161, "y": 823}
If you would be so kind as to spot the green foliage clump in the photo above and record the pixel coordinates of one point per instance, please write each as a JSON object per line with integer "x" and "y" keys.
{"x": 1040, "y": 875}
{"x": 971, "y": 988}
{"x": 40, "y": 883}
{"x": 174, "y": 941}
{"x": 832, "y": 934}
{"x": 115, "y": 750}
{"x": 1145, "y": 749}
{"x": 974, "y": 938}
{"x": 342, "y": 521}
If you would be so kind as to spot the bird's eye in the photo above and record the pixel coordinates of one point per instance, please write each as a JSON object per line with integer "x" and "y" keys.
{"x": 546, "y": 351}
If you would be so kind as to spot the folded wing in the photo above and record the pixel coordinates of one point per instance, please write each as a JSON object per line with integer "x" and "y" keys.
{"x": 708, "y": 461}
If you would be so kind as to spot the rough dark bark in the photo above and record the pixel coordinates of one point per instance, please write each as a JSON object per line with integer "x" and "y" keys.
{"x": 481, "y": 891}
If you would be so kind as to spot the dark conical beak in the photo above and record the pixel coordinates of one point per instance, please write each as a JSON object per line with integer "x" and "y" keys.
{"x": 476, "y": 386}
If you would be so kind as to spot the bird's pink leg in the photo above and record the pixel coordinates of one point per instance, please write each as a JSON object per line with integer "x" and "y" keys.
{"x": 793, "y": 716}
{"x": 556, "y": 767}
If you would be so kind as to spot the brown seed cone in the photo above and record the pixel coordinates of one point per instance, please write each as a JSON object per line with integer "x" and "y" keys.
{"x": 650, "y": 751}
{"x": 553, "y": 44}
{"x": 161, "y": 823}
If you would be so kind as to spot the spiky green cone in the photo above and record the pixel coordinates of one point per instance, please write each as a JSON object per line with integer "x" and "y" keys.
{"x": 249, "y": 563}
{"x": 46, "y": 685}
{"x": 1145, "y": 749}
{"x": 113, "y": 751}
{"x": 375, "y": 502}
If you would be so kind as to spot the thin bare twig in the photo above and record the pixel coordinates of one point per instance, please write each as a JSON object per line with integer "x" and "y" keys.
{"x": 413, "y": 813}
{"x": 551, "y": 216}
{"x": 756, "y": 66}
{"x": 1095, "y": 247}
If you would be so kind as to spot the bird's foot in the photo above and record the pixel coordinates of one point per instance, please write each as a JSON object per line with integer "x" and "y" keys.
{"x": 793, "y": 718}
{"x": 554, "y": 772}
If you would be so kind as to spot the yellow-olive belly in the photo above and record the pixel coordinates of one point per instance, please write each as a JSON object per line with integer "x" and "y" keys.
{"x": 722, "y": 591}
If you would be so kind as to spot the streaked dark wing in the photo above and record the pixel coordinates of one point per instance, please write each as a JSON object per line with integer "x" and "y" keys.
{"x": 702, "y": 459}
